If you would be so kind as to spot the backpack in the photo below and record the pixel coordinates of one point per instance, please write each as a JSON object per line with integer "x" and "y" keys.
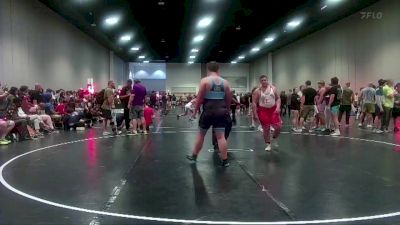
{"x": 100, "y": 97}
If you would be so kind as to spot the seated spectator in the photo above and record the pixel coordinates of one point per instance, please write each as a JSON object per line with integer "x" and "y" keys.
{"x": 33, "y": 111}
{"x": 61, "y": 108}
{"x": 5, "y": 125}
{"x": 21, "y": 124}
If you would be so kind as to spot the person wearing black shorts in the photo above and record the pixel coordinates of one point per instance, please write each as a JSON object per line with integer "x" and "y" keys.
{"x": 215, "y": 96}
{"x": 295, "y": 108}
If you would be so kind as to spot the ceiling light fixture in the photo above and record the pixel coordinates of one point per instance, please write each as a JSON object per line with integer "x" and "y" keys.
{"x": 269, "y": 39}
{"x": 198, "y": 38}
{"x": 241, "y": 57}
{"x": 293, "y": 23}
{"x": 255, "y": 49}
{"x": 195, "y": 50}
{"x": 126, "y": 37}
{"x": 333, "y": 1}
{"x": 190, "y": 62}
{"x": 192, "y": 56}
{"x": 233, "y": 62}
{"x": 135, "y": 48}
{"x": 142, "y": 57}
{"x": 146, "y": 61}
{"x": 205, "y": 22}
{"x": 324, "y": 7}
{"x": 112, "y": 20}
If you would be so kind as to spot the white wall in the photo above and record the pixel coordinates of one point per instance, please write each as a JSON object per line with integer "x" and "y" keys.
{"x": 38, "y": 46}
{"x": 257, "y": 68}
{"x": 353, "y": 49}
{"x": 120, "y": 71}
{"x": 236, "y": 74}
{"x": 182, "y": 77}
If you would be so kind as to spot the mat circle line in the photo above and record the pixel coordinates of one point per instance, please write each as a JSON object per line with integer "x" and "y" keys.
{"x": 174, "y": 220}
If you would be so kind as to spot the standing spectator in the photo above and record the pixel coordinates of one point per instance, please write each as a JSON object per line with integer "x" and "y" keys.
{"x": 295, "y": 108}
{"x": 136, "y": 103}
{"x": 153, "y": 99}
{"x": 396, "y": 109}
{"x": 288, "y": 101}
{"x": 388, "y": 103}
{"x": 368, "y": 99}
{"x": 283, "y": 103}
{"x": 321, "y": 106}
{"x": 107, "y": 106}
{"x": 379, "y": 107}
{"x": 307, "y": 106}
{"x": 345, "y": 103}
{"x": 334, "y": 104}
{"x": 174, "y": 101}
{"x": 234, "y": 104}
{"x": 124, "y": 96}
{"x": 164, "y": 100}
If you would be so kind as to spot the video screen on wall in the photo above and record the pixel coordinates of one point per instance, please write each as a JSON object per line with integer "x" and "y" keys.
{"x": 152, "y": 75}
{"x": 147, "y": 71}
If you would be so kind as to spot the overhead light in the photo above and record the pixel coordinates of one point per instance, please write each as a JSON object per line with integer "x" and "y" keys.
{"x": 330, "y": 2}
{"x": 205, "y": 22}
{"x": 233, "y": 62}
{"x": 135, "y": 48}
{"x": 241, "y": 57}
{"x": 269, "y": 39}
{"x": 195, "y": 50}
{"x": 255, "y": 49}
{"x": 112, "y": 20}
{"x": 190, "y": 62}
{"x": 163, "y": 40}
{"x": 146, "y": 61}
{"x": 198, "y": 38}
{"x": 142, "y": 57}
{"x": 161, "y": 3}
{"x": 192, "y": 56}
{"x": 333, "y": 1}
{"x": 294, "y": 23}
{"x": 126, "y": 37}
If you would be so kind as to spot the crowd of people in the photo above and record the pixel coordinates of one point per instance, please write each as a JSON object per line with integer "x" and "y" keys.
{"x": 27, "y": 114}
{"x": 375, "y": 106}
{"x": 31, "y": 113}
{"x": 311, "y": 110}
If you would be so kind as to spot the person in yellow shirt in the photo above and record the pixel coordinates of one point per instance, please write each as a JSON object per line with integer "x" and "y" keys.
{"x": 396, "y": 109}
{"x": 388, "y": 102}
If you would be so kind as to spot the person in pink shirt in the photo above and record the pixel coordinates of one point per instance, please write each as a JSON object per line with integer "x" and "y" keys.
{"x": 148, "y": 116}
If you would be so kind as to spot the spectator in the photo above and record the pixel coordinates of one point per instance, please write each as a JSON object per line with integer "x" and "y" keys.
{"x": 136, "y": 103}
{"x": 124, "y": 96}
{"x": 345, "y": 103}
{"x": 388, "y": 103}
{"x": 107, "y": 106}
